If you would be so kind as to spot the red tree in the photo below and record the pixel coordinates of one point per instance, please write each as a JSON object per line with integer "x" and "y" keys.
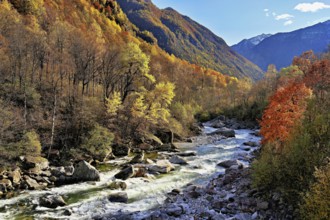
{"x": 283, "y": 113}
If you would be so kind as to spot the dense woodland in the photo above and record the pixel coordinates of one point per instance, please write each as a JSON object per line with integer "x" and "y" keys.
{"x": 76, "y": 77}
{"x": 69, "y": 77}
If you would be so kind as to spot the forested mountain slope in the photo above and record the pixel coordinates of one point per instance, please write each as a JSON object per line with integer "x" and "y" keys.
{"x": 185, "y": 38}
{"x": 75, "y": 72}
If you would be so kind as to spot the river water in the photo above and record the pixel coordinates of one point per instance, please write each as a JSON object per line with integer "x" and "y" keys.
{"x": 87, "y": 200}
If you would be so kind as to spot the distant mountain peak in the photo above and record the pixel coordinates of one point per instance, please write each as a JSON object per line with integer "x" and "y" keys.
{"x": 281, "y": 48}
{"x": 258, "y": 39}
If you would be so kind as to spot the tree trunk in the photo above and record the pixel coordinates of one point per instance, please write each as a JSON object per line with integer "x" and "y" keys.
{"x": 53, "y": 125}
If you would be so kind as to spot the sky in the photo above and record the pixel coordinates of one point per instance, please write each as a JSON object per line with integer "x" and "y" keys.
{"x": 235, "y": 20}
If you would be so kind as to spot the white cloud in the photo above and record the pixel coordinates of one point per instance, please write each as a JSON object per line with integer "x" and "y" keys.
{"x": 289, "y": 22}
{"x": 274, "y": 14}
{"x": 266, "y": 10}
{"x": 284, "y": 17}
{"x": 311, "y": 7}
{"x": 267, "y": 14}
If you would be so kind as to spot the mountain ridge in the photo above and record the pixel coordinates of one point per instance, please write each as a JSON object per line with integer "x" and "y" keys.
{"x": 187, "y": 39}
{"x": 279, "y": 49}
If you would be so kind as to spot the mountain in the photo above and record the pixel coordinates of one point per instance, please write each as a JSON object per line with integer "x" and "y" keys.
{"x": 188, "y": 40}
{"x": 281, "y": 48}
{"x": 246, "y": 45}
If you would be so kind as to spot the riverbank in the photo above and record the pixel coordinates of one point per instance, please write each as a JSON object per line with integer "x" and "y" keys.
{"x": 144, "y": 191}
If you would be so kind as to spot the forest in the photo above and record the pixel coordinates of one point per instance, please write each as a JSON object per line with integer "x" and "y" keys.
{"x": 69, "y": 77}
{"x": 77, "y": 78}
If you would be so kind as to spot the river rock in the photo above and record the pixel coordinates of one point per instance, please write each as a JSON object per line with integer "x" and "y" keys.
{"x": 226, "y": 132}
{"x": 245, "y": 148}
{"x": 228, "y": 163}
{"x": 187, "y": 154}
{"x": 178, "y": 160}
{"x": 121, "y": 150}
{"x": 31, "y": 183}
{"x": 15, "y": 176}
{"x": 140, "y": 171}
{"x": 52, "y": 201}
{"x": 83, "y": 171}
{"x": 175, "y": 211}
{"x": 120, "y": 197}
{"x": 251, "y": 143}
{"x": 117, "y": 185}
{"x": 243, "y": 216}
{"x": 162, "y": 166}
{"x": 5, "y": 185}
{"x": 139, "y": 158}
{"x": 262, "y": 205}
{"x": 145, "y": 147}
{"x": 32, "y": 162}
{"x": 167, "y": 147}
{"x": 126, "y": 173}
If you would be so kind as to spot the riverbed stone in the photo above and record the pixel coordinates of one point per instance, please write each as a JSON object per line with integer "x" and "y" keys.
{"x": 262, "y": 205}
{"x": 178, "y": 160}
{"x": 117, "y": 185}
{"x": 162, "y": 166}
{"x": 120, "y": 197}
{"x": 15, "y": 176}
{"x": 52, "y": 201}
{"x": 228, "y": 163}
{"x": 32, "y": 183}
{"x": 139, "y": 158}
{"x": 175, "y": 211}
{"x": 126, "y": 173}
{"x": 251, "y": 143}
{"x": 5, "y": 185}
{"x": 187, "y": 154}
{"x": 32, "y": 162}
{"x": 226, "y": 132}
{"x": 121, "y": 150}
{"x": 83, "y": 171}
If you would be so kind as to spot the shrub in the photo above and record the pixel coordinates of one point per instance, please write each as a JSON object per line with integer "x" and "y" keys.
{"x": 98, "y": 143}
{"x": 316, "y": 202}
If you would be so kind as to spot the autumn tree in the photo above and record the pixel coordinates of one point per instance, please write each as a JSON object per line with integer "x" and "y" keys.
{"x": 135, "y": 69}
{"x": 284, "y": 111}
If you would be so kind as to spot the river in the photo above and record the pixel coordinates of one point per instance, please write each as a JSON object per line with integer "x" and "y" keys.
{"x": 87, "y": 200}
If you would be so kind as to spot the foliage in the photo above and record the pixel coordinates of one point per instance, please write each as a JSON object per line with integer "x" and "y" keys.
{"x": 67, "y": 66}
{"x": 296, "y": 144}
{"x": 285, "y": 109}
{"x": 316, "y": 203}
{"x": 98, "y": 143}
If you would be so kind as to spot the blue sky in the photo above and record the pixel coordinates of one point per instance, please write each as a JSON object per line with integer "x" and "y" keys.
{"x": 234, "y": 20}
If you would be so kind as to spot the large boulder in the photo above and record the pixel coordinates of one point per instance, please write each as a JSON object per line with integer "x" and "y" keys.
{"x": 126, "y": 173}
{"x": 228, "y": 163}
{"x": 178, "y": 160}
{"x": 52, "y": 201}
{"x": 83, "y": 171}
{"x": 121, "y": 150}
{"x": 226, "y": 132}
{"x": 120, "y": 197}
